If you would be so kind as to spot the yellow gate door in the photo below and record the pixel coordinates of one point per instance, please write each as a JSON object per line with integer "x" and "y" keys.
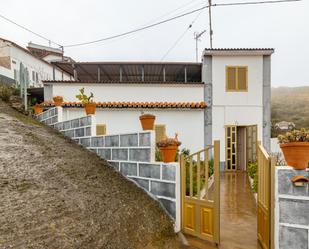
{"x": 200, "y": 193}
{"x": 266, "y": 169}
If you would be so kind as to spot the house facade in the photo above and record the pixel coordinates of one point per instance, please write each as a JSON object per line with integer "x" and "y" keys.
{"x": 39, "y": 68}
{"x": 226, "y": 97}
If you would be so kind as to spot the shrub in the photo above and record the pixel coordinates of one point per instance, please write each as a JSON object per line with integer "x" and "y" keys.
{"x": 83, "y": 98}
{"x": 252, "y": 169}
{"x": 255, "y": 183}
{"x": 6, "y": 92}
{"x": 167, "y": 141}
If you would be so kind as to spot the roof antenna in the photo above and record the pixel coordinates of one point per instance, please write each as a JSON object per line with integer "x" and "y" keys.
{"x": 197, "y": 36}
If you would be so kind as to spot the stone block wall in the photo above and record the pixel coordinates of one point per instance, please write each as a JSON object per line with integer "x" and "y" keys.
{"x": 51, "y": 116}
{"x": 77, "y": 128}
{"x": 131, "y": 154}
{"x": 292, "y": 210}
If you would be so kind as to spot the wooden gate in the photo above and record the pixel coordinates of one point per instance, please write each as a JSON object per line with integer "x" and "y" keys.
{"x": 265, "y": 221}
{"x": 200, "y": 193}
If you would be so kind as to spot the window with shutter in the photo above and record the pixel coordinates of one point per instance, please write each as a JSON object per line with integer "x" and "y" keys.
{"x": 160, "y": 130}
{"x": 236, "y": 79}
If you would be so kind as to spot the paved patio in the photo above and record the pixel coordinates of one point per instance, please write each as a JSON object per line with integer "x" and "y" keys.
{"x": 238, "y": 215}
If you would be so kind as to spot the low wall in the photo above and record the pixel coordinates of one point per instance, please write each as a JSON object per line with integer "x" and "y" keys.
{"x": 51, "y": 116}
{"x": 292, "y": 210}
{"x": 131, "y": 154}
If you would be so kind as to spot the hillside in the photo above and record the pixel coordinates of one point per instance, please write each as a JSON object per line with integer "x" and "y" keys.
{"x": 291, "y": 104}
{"x": 55, "y": 194}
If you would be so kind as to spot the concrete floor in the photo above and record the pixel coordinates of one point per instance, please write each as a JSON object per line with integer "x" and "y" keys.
{"x": 238, "y": 215}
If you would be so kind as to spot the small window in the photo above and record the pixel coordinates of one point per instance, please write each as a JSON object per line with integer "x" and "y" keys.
{"x": 33, "y": 76}
{"x": 36, "y": 77}
{"x": 236, "y": 79}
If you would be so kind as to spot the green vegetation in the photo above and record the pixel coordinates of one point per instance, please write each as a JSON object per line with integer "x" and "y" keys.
{"x": 290, "y": 104}
{"x": 301, "y": 135}
{"x": 83, "y": 98}
{"x": 194, "y": 175}
{"x": 7, "y": 91}
{"x": 252, "y": 172}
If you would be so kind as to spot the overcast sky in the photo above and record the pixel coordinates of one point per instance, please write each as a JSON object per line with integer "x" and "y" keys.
{"x": 284, "y": 27}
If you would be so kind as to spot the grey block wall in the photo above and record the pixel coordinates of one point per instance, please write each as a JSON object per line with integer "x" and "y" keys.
{"x": 134, "y": 147}
{"x": 292, "y": 204}
{"x": 77, "y": 128}
{"x": 132, "y": 154}
{"x": 49, "y": 117}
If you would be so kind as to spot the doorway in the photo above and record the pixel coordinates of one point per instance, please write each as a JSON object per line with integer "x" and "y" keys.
{"x": 240, "y": 146}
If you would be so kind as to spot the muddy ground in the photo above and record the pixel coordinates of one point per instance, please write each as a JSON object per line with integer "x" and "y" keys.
{"x": 55, "y": 194}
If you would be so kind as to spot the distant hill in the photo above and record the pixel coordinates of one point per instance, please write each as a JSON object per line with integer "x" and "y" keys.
{"x": 291, "y": 104}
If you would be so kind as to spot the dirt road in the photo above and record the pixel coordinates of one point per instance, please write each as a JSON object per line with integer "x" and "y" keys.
{"x": 55, "y": 194}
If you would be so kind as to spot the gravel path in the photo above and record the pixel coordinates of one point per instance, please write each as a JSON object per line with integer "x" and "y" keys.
{"x": 55, "y": 194}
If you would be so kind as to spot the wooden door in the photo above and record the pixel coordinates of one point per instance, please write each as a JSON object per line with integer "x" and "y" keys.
{"x": 231, "y": 147}
{"x": 251, "y": 143}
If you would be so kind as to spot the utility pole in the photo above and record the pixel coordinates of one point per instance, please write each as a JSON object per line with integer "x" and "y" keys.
{"x": 197, "y": 36}
{"x": 210, "y": 24}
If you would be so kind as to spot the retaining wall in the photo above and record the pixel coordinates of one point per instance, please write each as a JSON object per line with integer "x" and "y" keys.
{"x": 131, "y": 154}
{"x": 292, "y": 210}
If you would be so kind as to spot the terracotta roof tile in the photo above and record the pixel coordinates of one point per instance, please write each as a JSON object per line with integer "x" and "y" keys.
{"x": 176, "y": 105}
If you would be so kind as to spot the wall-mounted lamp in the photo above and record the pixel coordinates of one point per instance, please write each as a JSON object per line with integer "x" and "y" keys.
{"x": 300, "y": 181}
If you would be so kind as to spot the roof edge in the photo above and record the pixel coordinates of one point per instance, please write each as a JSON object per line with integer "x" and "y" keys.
{"x": 122, "y": 82}
{"x": 238, "y": 51}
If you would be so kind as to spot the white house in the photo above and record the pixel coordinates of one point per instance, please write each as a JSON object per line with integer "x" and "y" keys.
{"x": 39, "y": 67}
{"x": 226, "y": 97}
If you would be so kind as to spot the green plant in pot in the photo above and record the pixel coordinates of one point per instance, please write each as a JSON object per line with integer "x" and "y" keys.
{"x": 168, "y": 147}
{"x": 295, "y": 148}
{"x": 89, "y": 104}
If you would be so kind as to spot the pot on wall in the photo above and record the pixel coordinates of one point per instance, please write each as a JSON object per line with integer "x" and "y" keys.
{"x": 296, "y": 154}
{"x": 58, "y": 100}
{"x": 147, "y": 121}
{"x": 168, "y": 153}
{"x": 90, "y": 108}
{"x": 38, "y": 109}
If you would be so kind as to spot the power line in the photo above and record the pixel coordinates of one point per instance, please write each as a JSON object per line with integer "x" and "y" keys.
{"x": 34, "y": 33}
{"x": 253, "y": 3}
{"x": 138, "y": 29}
{"x": 182, "y": 35}
{"x": 176, "y": 17}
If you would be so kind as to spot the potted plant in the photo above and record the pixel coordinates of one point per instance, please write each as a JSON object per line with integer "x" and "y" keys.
{"x": 295, "y": 148}
{"x": 57, "y": 100}
{"x": 88, "y": 103}
{"x": 38, "y": 108}
{"x": 147, "y": 121}
{"x": 168, "y": 148}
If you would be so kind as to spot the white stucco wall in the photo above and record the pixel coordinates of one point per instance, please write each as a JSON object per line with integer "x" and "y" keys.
{"x": 130, "y": 92}
{"x": 236, "y": 108}
{"x": 17, "y": 55}
{"x": 187, "y": 123}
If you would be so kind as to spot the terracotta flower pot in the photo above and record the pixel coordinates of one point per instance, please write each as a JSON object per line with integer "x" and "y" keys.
{"x": 147, "y": 121}
{"x": 90, "y": 108}
{"x": 58, "y": 100}
{"x": 169, "y": 153}
{"x": 296, "y": 154}
{"x": 38, "y": 109}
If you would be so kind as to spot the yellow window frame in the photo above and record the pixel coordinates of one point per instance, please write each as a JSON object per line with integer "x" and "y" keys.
{"x": 236, "y": 80}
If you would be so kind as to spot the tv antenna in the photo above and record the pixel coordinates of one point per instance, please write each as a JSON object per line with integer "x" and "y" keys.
{"x": 197, "y": 37}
